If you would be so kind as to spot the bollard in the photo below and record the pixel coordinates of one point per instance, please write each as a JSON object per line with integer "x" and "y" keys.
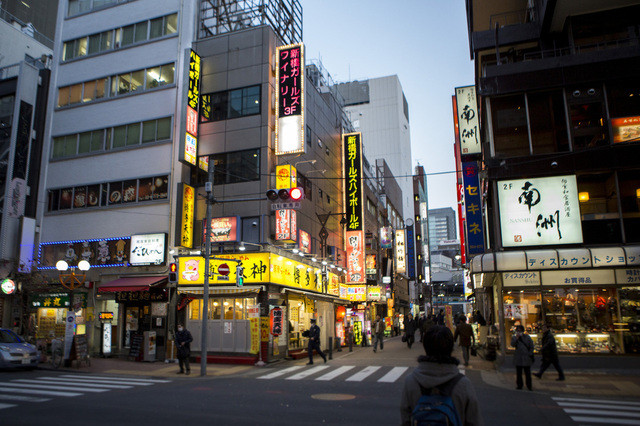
{"x": 330, "y": 347}
{"x": 339, "y": 344}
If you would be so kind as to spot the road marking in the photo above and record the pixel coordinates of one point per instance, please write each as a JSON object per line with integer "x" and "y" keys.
{"x": 6, "y": 406}
{"x": 281, "y": 372}
{"x": 604, "y": 401}
{"x": 40, "y": 392}
{"x": 108, "y": 378}
{"x": 393, "y": 375}
{"x": 358, "y": 377}
{"x": 581, "y": 405}
{"x": 54, "y": 387}
{"x": 111, "y": 382}
{"x": 307, "y": 373}
{"x": 580, "y": 419}
{"x": 335, "y": 373}
{"x": 68, "y": 382}
{"x": 23, "y": 398}
{"x": 601, "y": 412}
{"x": 63, "y": 381}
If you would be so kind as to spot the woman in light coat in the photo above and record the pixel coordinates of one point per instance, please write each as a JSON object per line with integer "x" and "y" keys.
{"x": 523, "y": 356}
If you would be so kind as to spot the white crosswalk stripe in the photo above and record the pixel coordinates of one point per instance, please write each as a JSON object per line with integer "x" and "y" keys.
{"x": 41, "y": 389}
{"x": 326, "y": 373}
{"x": 587, "y": 411}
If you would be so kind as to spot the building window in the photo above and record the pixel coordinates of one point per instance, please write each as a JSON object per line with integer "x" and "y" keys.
{"x": 100, "y": 140}
{"x": 120, "y": 37}
{"x": 629, "y": 183}
{"x": 509, "y": 120}
{"x": 599, "y": 208}
{"x": 109, "y": 194}
{"x": 236, "y": 167}
{"x": 547, "y": 122}
{"x": 231, "y": 104}
{"x": 587, "y": 117}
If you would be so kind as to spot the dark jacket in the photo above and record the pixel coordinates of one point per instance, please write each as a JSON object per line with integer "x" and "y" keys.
{"x": 549, "y": 349}
{"x": 410, "y": 326}
{"x": 523, "y": 356}
{"x": 184, "y": 336}
{"x": 431, "y": 374}
{"x": 382, "y": 327}
{"x": 314, "y": 334}
{"x": 465, "y": 332}
{"x": 440, "y": 319}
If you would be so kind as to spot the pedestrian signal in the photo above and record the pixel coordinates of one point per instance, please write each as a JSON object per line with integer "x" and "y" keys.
{"x": 240, "y": 276}
{"x": 173, "y": 273}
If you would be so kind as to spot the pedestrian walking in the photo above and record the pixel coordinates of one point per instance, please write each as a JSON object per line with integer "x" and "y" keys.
{"x": 523, "y": 356}
{"x": 426, "y": 326}
{"x": 183, "y": 340}
{"x": 479, "y": 319}
{"x": 378, "y": 333}
{"x": 549, "y": 352}
{"x": 440, "y": 317}
{"x": 396, "y": 325}
{"x": 438, "y": 369}
{"x": 314, "y": 342}
{"x": 410, "y": 330}
{"x": 465, "y": 332}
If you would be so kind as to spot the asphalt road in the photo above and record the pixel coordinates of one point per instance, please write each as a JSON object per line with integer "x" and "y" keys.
{"x": 358, "y": 388}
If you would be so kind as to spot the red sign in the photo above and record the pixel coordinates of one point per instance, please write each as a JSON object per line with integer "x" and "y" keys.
{"x": 625, "y": 129}
{"x": 286, "y": 225}
{"x": 304, "y": 241}
{"x": 224, "y": 229}
{"x": 276, "y": 321}
{"x": 355, "y": 257}
{"x": 192, "y": 121}
{"x": 223, "y": 269}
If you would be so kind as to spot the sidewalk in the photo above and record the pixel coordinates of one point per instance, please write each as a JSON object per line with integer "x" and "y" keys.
{"x": 151, "y": 369}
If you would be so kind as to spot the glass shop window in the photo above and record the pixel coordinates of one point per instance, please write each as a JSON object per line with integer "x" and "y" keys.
{"x": 215, "y": 310}
{"x": 195, "y": 309}
{"x": 547, "y": 121}
{"x": 599, "y": 208}
{"x": 587, "y": 117}
{"x": 509, "y": 120}
{"x": 630, "y": 324}
{"x": 629, "y": 183}
{"x": 521, "y": 307}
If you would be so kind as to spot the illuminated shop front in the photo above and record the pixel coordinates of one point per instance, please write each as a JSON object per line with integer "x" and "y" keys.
{"x": 48, "y": 313}
{"x": 292, "y": 293}
{"x": 591, "y": 310}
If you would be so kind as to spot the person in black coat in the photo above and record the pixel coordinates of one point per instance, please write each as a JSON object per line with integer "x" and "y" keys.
{"x": 410, "y": 327}
{"x": 183, "y": 342}
{"x": 549, "y": 353}
{"x": 314, "y": 342}
{"x": 440, "y": 317}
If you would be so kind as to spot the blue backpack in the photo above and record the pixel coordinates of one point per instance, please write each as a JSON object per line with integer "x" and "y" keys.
{"x": 437, "y": 409}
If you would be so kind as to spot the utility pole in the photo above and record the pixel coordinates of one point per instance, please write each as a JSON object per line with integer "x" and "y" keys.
{"x": 208, "y": 187}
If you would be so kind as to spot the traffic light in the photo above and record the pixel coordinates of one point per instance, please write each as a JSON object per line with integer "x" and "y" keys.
{"x": 286, "y": 194}
{"x": 173, "y": 273}
{"x": 240, "y": 276}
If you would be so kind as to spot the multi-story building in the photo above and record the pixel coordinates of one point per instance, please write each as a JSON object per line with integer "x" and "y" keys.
{"x": 559, "y": 122}
{"x": 24, "y": 83}
{"x": 442, "y": 226}
{"x": 421, "y": 225}
{"x": 36, "y": 18}
{"x": 378, "y": 108}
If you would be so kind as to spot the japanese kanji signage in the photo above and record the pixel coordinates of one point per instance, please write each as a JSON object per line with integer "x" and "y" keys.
{"x": 186, "y": 207}
{"x": 224, "y": 229}
{"x": 539, "y": 211}
{"x": 49, "y": 300}
{"x": 352, "y": 150}
{"x": 190, "y": 152}
{"x": 401, "y": 252}
{"x": 411, "y": 262}
{"x": 371, "y": 267}
{"x": 286, "y": 177}
{"x": 290, "y": 99}
{"x": 148, "y": 249}
{"x": 304, "y": 241}
{"x": 472, "y": 207}
{"x": 578, "y": 277}
{"x": 386, "y": 237}
{"x": 625, "y": 129}
{"x": 286, "y": 225}
{"x": 467, "y": 115}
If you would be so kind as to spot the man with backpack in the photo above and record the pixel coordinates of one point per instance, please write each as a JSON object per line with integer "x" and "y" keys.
{"x": 435, "y": 392}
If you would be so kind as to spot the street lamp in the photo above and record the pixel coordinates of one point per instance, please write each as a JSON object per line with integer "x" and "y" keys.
{"x": 72, "y": 280}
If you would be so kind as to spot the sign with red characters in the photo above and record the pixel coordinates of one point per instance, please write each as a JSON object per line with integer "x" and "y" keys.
{"x": 290, "y": 99}
{"x": 352, "y": 151}
{"x": 286, "y": 225}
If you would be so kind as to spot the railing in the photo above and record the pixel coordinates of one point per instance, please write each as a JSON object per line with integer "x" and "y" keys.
{"x": 515, "y": 17}
{"x": 577, "y": 50}
{"x": 38, "y": 36}
{"x": 9, "y": 71}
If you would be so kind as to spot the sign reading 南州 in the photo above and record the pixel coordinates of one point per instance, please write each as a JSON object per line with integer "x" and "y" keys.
{"x": 189, "y": 153}
{"x": 467, "y": 116}
{"x": 401, "y": 262}
{"x": 186, "y": 206}
{"x": 539, "y": 211}
{"x": 223, "y": 229}
{"x": 473, "y": 211}
{"x": 352, "y": 150}
{"x": 286, "y": 225}
{"x": 290, "y": 99}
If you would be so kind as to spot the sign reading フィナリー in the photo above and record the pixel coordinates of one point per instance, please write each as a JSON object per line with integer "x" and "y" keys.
{"x": 290, "y": 99}
{"x": 539, "y": 211}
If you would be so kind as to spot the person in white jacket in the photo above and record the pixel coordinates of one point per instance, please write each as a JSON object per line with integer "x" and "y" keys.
{"x": 435, "y": 369}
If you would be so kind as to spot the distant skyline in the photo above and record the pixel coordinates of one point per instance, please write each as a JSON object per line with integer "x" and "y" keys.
{"x": 425, "y": 43}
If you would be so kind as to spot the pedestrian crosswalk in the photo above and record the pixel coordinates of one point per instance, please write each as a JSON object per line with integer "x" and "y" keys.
{"x": 45, "y": 388}
{"x": 347, "y": 373}
{"x": 587, "y": 411}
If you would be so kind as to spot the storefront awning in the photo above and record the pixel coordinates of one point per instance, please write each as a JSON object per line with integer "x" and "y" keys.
{"x": 319, "y": 296}
{"x": 221, "y": 291}
{"x": 131, "y": 284}
{"x": 550, "y": 259}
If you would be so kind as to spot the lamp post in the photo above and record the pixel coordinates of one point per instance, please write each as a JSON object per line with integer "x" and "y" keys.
{"x": 72, "y": 280}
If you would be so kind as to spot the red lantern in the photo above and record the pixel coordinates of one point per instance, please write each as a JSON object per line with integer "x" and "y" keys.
{"x": 341, "y": 311}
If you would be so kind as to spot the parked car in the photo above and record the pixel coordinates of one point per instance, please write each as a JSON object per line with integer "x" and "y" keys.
{"x": 15, "y": 352}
